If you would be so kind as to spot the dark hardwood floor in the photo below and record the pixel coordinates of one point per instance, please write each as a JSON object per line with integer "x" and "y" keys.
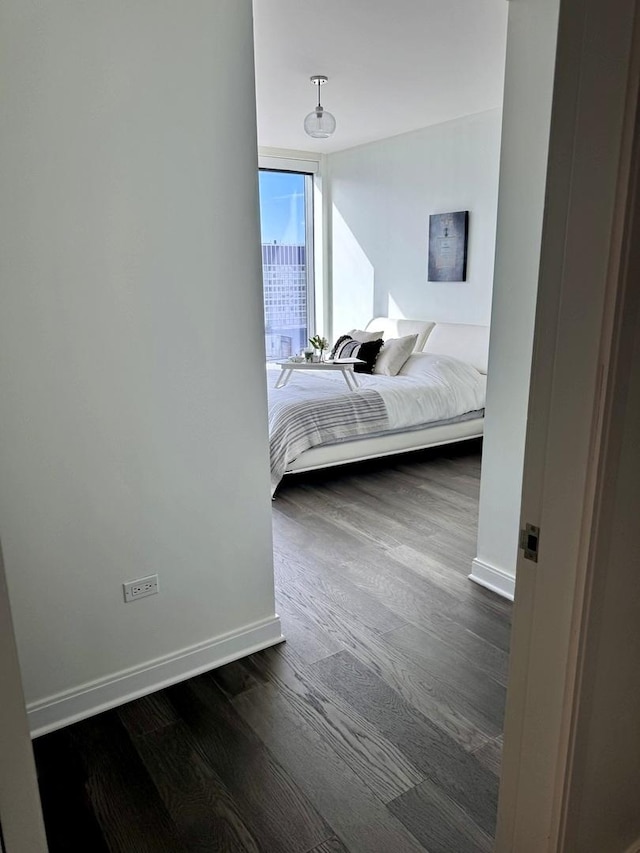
{"x": 375, "y": 729}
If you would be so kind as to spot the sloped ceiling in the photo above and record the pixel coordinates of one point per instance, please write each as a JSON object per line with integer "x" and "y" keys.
{"x": 393, "y": 66}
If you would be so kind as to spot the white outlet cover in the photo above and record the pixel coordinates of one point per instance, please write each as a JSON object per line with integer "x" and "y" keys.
{"x": 140, "y": 588}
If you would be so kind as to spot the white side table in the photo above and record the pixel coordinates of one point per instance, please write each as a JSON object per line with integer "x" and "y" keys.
{"x": 344, "y": 365}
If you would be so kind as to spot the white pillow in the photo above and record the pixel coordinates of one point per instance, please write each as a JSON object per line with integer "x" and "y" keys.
{"x": 466, "y": 343}
{"x": 417, "y": 364}
{"x": 364, "y": 337}
{"x": 393, "y": 355}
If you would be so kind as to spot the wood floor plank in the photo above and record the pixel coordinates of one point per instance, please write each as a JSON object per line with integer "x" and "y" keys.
{"x": 459, "y": 774}
{"x": 491, "y": 755}
{"x": 124, "y": 799}
{"x": 332, "y": 845}
{"x": 308, "y": 640}
{"x": 234, "y": 678}
{"x": 305, "y": 535}
{"x": 439, "y": 509}
{"x": 147, "y": 714}
{"x": 440, "y": 824}
{"x": 69, "y": 819}
{"x": 307, "y": 518}
{"x": 483, "y": 698}
{"x": 462, "y": 483}
{"x": 428, "y": 562}
{"x": 457, "y": 549}
{"x": 457, "y": 492}
{"x": 358, "y": 817}
{"x": 361, "y": 523}
{"x": 435, "y": 700}
{"x": 338, "y": 592}
{"x": 432, "y": 561}
{"x": 451, "y": 553}
{"x": 370, "y": 569}
{"x": 441, "y": 491}
{"x": 371, "y": 520}
{"x": 472, "y": 653}
{"x": 412, "y": 595}
{"x": 273, "y": 807}
{"x": 419, "y": 599}
{"x": 383, "y": 768}
{"x": 205, "y": 815}
{"x": 431, "y": 614}
{"x": 457, "y": 552}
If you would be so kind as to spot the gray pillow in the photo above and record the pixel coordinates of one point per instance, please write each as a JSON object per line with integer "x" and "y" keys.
{"x": 393, "y": 355}
{"x": 363, "y": 337}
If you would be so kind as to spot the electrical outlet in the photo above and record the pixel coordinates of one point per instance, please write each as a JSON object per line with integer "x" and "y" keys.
{"x": 133, "y": 590}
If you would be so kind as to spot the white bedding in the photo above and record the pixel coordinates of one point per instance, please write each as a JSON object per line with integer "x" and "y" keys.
{"x": 429, "y": 388}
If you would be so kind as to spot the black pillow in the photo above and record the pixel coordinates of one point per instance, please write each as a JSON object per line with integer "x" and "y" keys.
{"x": 348, "y": 347}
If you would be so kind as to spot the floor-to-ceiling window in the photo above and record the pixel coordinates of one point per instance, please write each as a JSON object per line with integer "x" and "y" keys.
{"x": 286, "y": 217}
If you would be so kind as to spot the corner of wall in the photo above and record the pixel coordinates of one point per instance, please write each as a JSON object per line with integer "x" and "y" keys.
{"x": 493, "y": 578}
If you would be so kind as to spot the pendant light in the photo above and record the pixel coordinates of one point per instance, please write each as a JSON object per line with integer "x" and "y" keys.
{"x": 320, "y": 124}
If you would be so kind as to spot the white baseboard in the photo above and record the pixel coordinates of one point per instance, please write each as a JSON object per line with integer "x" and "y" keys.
{"x": 94, "y": 697}
{"x": 497, "y": 580}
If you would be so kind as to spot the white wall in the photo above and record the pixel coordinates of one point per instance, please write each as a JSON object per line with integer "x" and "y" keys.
{"x": 382, "y": 195}
{"x": 130, "y": 274}
{"x": 531, "y": 40}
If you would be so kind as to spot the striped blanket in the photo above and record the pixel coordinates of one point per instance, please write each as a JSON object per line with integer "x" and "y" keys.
{"x": 298, "y": 421}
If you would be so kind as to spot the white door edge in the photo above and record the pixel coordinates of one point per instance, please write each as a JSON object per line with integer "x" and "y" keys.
{"x": 20, "y": 812}
{"x": 589, "y": 161}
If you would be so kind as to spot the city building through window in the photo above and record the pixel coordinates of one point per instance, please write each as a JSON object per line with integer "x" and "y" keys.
{"x": 286, "y": 221}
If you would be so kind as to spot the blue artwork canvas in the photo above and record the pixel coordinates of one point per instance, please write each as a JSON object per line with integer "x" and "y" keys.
{"x": 448, "y": 246}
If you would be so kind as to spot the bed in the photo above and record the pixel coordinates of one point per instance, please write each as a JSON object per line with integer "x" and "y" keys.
{"x": 437, "y": 397}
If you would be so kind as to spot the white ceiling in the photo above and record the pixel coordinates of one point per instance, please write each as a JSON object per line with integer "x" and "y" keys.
{"x": 393, "y": 65}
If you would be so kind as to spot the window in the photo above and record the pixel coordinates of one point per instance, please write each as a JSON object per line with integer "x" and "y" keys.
{"x": 286, "y": 220}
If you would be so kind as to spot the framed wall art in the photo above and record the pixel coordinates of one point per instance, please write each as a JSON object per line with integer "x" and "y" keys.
{"x": 448, "y": 246}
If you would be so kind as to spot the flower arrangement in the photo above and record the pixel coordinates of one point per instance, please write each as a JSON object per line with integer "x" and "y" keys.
{"x": 319, "y": 343}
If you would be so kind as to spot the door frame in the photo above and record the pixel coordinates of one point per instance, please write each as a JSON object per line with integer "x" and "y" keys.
{"x": 582, "y": 288}
{"x": 20, "y": 810}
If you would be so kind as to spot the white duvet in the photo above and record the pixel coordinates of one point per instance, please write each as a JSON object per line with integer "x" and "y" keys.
{"x": 429, "y": 388}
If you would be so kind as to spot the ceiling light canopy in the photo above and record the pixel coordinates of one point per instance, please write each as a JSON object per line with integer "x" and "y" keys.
{"x": 320, "y": 124}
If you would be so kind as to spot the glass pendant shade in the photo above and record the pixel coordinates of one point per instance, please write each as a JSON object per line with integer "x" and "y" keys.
{"x": 320, "y": 124}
